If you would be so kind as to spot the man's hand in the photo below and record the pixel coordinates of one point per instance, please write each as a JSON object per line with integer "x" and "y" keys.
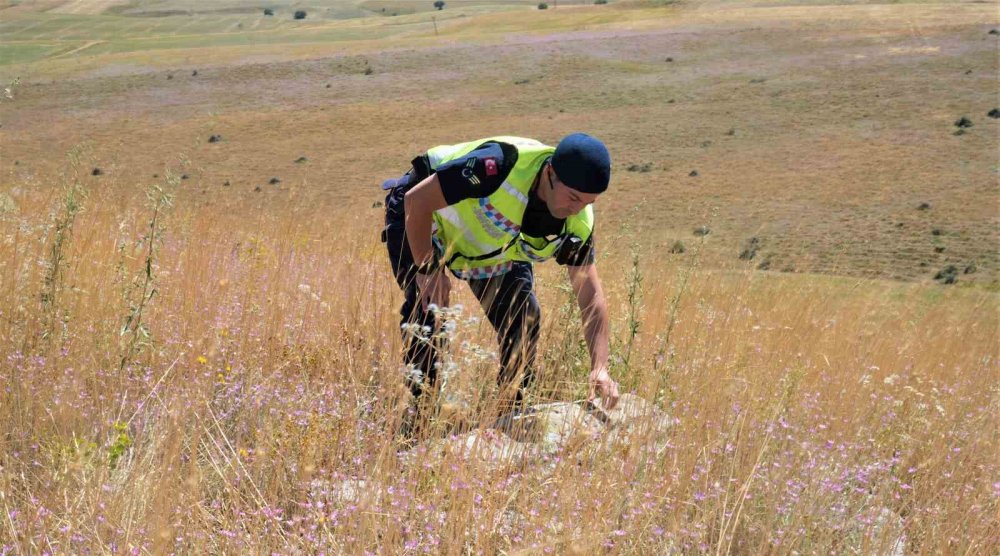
{"x": 434, "y": 288}
{"x": 600, "y": 383}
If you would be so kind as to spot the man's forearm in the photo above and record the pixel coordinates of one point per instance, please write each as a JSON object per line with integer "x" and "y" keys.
{"x": 419, "y": 205}
{"x": 418, "y": 233}
{"x": 594, "y": 309}
{"x": 597, "y": 331}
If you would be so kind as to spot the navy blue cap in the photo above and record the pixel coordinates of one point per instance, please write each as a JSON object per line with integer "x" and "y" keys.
{"x": 583, "y": 163}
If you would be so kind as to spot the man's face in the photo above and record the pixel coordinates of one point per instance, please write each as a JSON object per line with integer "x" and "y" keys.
{"x": 564, "y": 201}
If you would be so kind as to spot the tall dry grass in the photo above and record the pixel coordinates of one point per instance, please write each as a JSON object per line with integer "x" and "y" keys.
{"x": 230, "y": 383}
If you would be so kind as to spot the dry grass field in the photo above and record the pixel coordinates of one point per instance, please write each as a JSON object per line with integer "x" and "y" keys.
{"x": 199, "y": 346}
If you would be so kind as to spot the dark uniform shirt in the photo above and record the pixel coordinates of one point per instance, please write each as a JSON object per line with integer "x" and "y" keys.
{"x": 481, "y": 172}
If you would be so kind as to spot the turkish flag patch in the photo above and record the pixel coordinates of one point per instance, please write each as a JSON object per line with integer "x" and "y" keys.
{"x": 491, "y": 166}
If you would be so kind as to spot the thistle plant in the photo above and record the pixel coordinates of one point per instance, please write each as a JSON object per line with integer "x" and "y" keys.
{"x": 633, "y": 323}
{"x": 55, "y": 264}
{"x": 134, "y": 334}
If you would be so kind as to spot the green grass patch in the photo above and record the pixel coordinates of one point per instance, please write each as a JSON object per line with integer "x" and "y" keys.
{"x": 239, "y": 39}
{"x": 27, "y": 52}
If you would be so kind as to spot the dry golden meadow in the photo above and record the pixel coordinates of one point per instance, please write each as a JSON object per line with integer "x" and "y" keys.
{"x": 200, "y": 341}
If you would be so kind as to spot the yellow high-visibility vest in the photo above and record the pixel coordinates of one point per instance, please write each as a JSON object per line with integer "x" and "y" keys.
{"x": 481, "y": 237}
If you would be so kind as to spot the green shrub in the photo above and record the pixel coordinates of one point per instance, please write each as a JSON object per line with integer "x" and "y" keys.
{"x": 750, "y": 249}
{"x": 300, "y": 14}
{"x": 947, "y": 275}
{"x": 543, "y": 6}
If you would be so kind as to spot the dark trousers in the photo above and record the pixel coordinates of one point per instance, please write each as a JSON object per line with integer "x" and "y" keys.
{"x": 508, "y": 300}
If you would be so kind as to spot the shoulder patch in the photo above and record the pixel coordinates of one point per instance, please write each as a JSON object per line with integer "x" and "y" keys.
{"x": 469, "y": 171}
{"x": 475, "y": 175}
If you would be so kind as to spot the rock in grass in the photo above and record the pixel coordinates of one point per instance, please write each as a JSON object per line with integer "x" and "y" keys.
{"x": 566, "y": 425}
{"x": 351, "y": 492}
{"x": 560, "y": 426}
{"x": 214, "y": 138}
{"x": 301, "y": 159}
{"x": 701, "y": 231}
{"x": 96, "y": 172}
{"x": 274, "y": 181}
{"x": 630, "y": 412}
{"x": 490, "y": 447}
{"x": 924, "y": 206}
{"x": 693, "y": 174}
{"x": 963, "y": 123}
{"x": 994, "y": 31}
{"x": 995, "y": 113}
{"x": 529, "y": 436}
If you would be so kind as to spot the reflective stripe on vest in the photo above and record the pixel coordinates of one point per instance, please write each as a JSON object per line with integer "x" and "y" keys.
{"x": 481, "y": 237}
